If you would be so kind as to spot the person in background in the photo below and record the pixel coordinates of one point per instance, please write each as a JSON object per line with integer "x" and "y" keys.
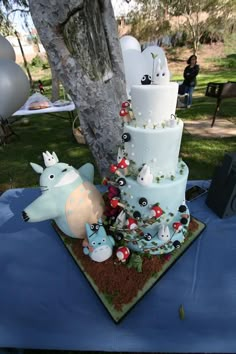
{"x": 190, "y": 73}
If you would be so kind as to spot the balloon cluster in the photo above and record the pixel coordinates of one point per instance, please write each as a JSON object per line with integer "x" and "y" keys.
{"x": 14, "y": 84}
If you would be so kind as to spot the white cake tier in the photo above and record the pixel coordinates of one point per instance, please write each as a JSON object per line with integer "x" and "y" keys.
{"x": 153, "y": 103}
{"x": 168, "y": 194}
{"x": 158, "y": 148}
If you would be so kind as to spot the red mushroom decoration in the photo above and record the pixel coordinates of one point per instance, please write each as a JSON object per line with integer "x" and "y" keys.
{"x": 113, "y": 168}
{"x": 123, "y": 163}
{"x": 123, "y": 112}
{"x": 125, "y": 104}
{"x": 122, "y": 253}
{"x": 115, "y": 202}
{"x": 156, "y": 211}
{"x": 177, "y": 226}
{"x": 131, "y": 223}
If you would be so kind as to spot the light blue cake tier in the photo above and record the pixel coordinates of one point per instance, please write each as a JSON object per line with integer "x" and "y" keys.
{"x": 137, "y": 241}
{"x": 168, "y": 194}
{"x": 157, "y": 147}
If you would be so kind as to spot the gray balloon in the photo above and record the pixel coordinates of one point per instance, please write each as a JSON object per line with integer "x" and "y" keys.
{"x": 6, "y": 49}
{"x": 14, "y": 88}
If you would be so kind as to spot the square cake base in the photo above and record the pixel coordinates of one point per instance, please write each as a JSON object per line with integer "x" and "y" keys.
{"x": 121, "y": 285}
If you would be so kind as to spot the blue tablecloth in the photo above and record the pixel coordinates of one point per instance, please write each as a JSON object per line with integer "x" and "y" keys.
{"x": 45, "y": 301}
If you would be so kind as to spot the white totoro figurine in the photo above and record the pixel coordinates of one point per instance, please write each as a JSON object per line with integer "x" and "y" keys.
{"x": 145, "y": 177}
{"x": 161, "y": 74}
{"x": 120, "y": 220}
{"x": 164, "y": 233}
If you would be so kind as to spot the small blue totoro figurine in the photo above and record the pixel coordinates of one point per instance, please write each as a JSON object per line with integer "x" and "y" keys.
{"x": 99, "y": 246}
{"x": 68, "y": 196}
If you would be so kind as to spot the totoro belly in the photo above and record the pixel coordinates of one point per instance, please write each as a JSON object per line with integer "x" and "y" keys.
{"x": 84, "y": 205}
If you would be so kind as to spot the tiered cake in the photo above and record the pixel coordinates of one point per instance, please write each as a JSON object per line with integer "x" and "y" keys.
{"x": 149, "y": 205}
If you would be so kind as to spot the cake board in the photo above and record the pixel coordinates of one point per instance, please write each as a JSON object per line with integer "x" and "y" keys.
{"x": 120, "y": 286}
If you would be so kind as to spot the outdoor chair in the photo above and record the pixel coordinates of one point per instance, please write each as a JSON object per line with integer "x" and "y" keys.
{"x": 220, "y": 91}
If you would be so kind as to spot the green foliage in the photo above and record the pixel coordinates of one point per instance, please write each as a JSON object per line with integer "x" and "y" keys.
{"x": 136, "y": 262}
{"x": 37, "y": 61}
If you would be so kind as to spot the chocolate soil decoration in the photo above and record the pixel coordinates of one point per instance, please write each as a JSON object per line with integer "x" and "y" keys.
{"x": 121, "y": 285}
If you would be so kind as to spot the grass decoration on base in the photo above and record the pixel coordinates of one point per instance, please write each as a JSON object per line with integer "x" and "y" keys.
{"x": 133, "y": 279}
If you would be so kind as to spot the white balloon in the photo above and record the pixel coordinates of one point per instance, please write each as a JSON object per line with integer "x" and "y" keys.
{"x": 129, "y": 42}
{"x": 135, "y": 68}
{"x": 14, "y": 87}
{"x": 147, "y": 55}
{"x": 6, "y": 49}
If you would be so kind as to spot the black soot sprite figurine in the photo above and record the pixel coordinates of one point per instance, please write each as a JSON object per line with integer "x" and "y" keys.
{"x": 146, "y": 80}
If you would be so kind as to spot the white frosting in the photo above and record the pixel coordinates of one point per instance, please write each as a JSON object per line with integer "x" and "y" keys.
{"x": 158, "y": 148}
{"x": 153, "y": 104}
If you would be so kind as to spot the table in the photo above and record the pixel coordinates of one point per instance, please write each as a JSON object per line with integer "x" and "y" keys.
{"x": 46, "y": 303}
{"x": 50, "y": 110}
{"x": 6, "y": 125}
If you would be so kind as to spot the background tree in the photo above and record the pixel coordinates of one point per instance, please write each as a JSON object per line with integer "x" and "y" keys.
{"x": 149, "y": 20}
{"x": 197, "y": 18}
{"x": 81, "y": 40}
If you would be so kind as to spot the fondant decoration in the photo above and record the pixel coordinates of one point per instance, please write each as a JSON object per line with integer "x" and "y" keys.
{"x": 68, "y": 197}
{"x": 6, "y": 49}
{"x": 161, "y": 73}
{"x": 121, "y": 181}
{"x": 146, "y": 80}
{"x": 129, "y": 42}
{"x": 131, "y": 223}
{"x": 136, "y": 214}
{"x": 122, "y": 253}
{"x": 143, "y": 202}
{"x": 98, "y": 245}
{"x": 177, "y": 226}
{"x": 125, "y": 104}
{"x": 135, "y": 67}
{"x": 124, "y": 112}
{"x": 120, "y": 220}
{"x": 151, "y": 52}
{"x": 176, "y": 244}
{"x": 182, "y": 208}
{"x": 156, "y": 211}
{"x": 115, "y": 202}
{"x": 14, "y": 88}
{"x": 122, "y": 162}
{"x": 173, "y": 121}
{"x": 147, "y": 236}
{"x": 164, "y": 233}
{"x": 126, "y": 137}
{"x": 145, "y": 177}
{"x": 118, "y": 236}
{"x": 184, "y": 220}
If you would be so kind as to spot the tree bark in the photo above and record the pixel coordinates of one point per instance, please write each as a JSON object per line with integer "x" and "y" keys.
{"x": 81, "y": 40}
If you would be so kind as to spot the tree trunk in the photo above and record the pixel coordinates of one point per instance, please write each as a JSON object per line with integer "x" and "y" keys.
{"x": 81, "y": 40}
{"x": 55, "y": 83}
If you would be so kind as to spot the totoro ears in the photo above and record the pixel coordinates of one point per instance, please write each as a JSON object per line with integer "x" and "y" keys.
{"x": 36, "y": 168}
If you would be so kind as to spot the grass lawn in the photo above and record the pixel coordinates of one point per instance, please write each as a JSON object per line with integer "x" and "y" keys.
{"x": 53, "y": 133}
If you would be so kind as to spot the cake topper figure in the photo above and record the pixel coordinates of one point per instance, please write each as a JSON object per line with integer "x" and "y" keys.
{"x": 146, "y": 80}
{"x": 161, "y": 73}
{"x": 68, "y": 196}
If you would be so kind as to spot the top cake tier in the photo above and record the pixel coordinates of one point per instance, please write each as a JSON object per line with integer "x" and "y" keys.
{"x": 153, "y": 104}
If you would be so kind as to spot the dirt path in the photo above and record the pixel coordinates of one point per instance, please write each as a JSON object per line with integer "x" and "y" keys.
{"x": 177, "y": 59}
